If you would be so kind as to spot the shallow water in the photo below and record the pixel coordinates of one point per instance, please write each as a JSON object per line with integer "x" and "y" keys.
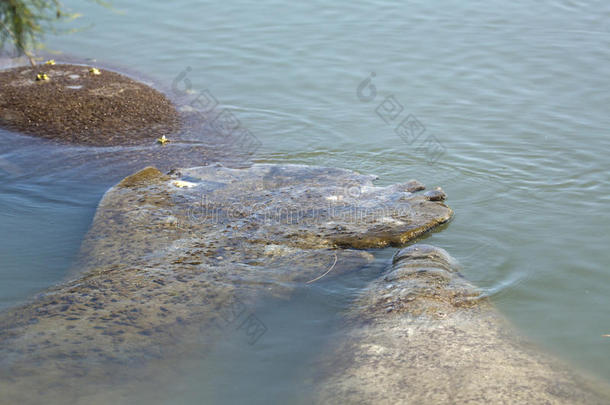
{"x": 515, "y": 96}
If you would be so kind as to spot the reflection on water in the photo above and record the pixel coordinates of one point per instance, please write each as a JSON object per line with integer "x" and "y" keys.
{"x": 517, "y": 95}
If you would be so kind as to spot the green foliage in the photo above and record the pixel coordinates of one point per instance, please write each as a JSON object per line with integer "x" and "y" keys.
{"x": 24, "y": 22}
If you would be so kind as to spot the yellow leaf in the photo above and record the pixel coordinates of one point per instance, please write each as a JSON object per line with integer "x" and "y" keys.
{"x": 183, "y": 184}
{"x": 163, "y": 140}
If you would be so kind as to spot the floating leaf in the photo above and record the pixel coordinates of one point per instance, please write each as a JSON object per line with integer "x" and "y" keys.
{"x": 163, "y": 140}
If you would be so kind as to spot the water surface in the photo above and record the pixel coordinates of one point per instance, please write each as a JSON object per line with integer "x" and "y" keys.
{"x": 515, "y": 96}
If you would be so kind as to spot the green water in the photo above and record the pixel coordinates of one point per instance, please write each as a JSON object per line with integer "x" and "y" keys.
{"x": 514, "y": 100}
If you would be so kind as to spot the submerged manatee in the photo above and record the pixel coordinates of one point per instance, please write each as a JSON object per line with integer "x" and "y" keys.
{"x": 83, "y": 105}
{"x": 422, "y": 334}
{"x": 169, "y": 257}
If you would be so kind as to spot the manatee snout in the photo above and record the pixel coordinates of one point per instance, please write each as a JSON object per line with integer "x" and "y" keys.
{"x": 426, "y": 256}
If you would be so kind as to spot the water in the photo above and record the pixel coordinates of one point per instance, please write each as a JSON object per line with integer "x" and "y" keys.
{"x": 516, "y": 95}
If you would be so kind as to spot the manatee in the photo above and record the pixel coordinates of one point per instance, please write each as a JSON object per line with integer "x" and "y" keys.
{"x": 83, "y": 105}
{"x": 171, "y": 258}
{"x": 422, "y": 334}
{"x": 435, "y": 195}
{"x": 111, "y": 121}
